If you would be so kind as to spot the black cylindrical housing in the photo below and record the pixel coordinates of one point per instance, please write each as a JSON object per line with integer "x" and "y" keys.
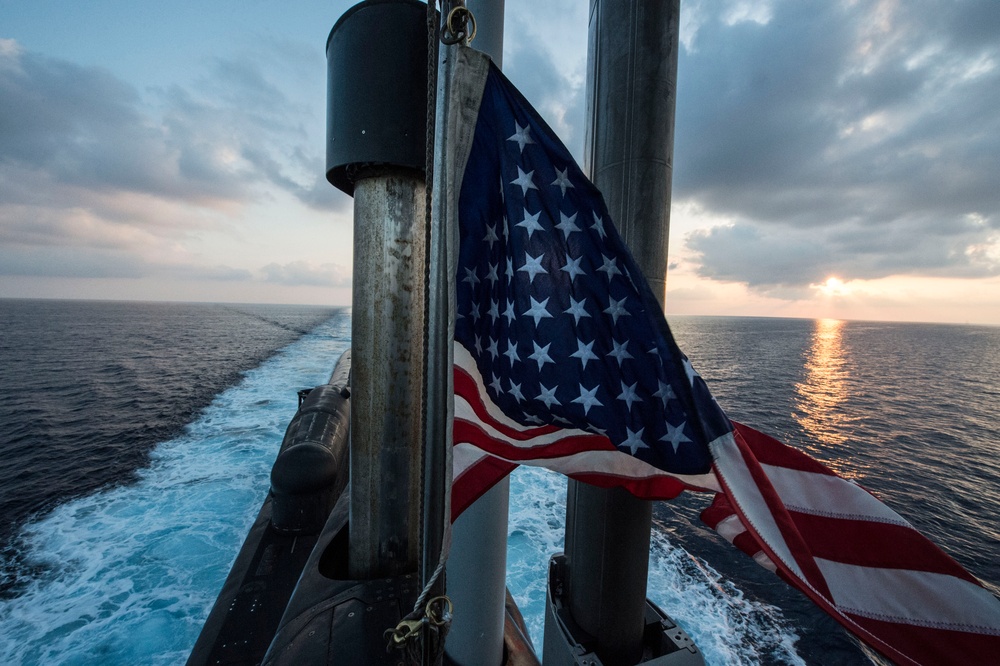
{"x": 376, "y": 89}
{"x": 311, "y": 469}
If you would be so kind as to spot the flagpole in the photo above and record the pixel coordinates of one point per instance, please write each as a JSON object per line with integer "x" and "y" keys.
{"x": 632, "y": 70}
{"x": 478, "y": 560}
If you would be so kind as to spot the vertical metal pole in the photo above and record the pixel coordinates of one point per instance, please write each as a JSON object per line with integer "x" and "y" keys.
{"x": 387, "y": 339}
{"x": 489, "y": 31}
{"x": 631, "y": 81}
{"x": 477, "y": 567}
{"x": 477, "y": 571}
{"x": 632, "y": 70}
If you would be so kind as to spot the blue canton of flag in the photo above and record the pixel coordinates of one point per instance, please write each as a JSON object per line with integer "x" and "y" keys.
{"x": 558, "y": 317}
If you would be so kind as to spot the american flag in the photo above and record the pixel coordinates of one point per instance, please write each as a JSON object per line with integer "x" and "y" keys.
{"x": 563, "y": 359}
{"x": 561, "y": 348}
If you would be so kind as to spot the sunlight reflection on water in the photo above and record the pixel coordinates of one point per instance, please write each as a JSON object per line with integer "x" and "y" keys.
{"x": 820, "y": 398}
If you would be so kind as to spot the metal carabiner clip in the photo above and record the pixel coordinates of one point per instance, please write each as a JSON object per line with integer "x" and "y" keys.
{"x": 434, "y": 616}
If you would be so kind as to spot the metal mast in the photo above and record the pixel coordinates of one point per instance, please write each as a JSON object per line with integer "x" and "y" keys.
{"x": 632, "y": 73}
{"x": 376, "y": 151}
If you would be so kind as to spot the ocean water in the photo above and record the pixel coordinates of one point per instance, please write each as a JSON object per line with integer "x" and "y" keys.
{"x": 125, "y": 570}
{"x": 136, "y": 441}
{"x": 88, "y": 389}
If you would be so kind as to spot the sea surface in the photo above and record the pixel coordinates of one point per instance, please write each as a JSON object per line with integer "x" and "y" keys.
{"x": 136, "y": 441}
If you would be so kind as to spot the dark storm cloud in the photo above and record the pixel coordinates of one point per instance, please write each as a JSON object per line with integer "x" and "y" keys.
{"x": 858, "y": 139}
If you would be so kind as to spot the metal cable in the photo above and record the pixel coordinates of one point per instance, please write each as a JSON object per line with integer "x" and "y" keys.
{"x": 430, "y": 112}
{"x": 432, "y": 62}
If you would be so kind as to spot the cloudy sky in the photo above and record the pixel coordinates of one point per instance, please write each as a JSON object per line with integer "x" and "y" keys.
{"x": 832, "y": 158}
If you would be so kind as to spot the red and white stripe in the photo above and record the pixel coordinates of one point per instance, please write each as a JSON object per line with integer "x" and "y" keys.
{"x": 488, "y": 445}
{"x": 852, "y": 555}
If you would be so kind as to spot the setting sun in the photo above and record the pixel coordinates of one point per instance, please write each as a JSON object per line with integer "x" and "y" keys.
{"x": 833, "y": 286}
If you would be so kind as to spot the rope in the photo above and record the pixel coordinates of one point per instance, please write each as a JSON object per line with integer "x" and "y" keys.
{"x": 422, "y": 632}
{"x": 430, "y": 620}
{"x": 430, "y": 111}
{"x": 445, "y": 547}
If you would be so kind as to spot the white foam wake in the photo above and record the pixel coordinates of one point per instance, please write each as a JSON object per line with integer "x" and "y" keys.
{"x": 726, "y": 626}
{"x": 127, "y": 575}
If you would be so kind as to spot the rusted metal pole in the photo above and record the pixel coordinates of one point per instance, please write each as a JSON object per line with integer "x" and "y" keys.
{"x": 387, "y": 339}
{"x": 375, "y": 151}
